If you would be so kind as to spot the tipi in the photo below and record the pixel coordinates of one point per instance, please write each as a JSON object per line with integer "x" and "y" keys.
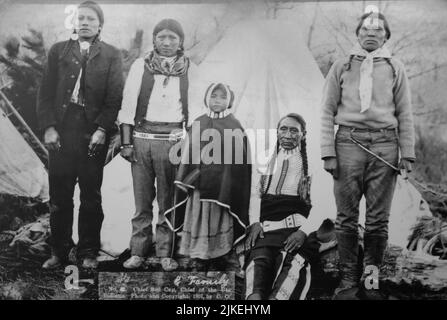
{"x": 21, "y": 171}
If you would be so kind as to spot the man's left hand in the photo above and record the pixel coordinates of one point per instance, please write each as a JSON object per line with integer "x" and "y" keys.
{"x": 405, "y": 166}
{"x": 295, "y": 241}
{"x": 97, "y": 141}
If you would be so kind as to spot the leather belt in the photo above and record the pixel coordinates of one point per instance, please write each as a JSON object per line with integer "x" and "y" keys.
{"x": 293, "y": 221}
{"x": 353, "y": 129}
{"x": 157, "y": 136}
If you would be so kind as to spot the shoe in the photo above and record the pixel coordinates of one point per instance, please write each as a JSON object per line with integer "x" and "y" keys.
{"x": 134, "y": 262}
{"x": 90, "y": 263}
{"x": 348, "y": 293}
{"x": 168, "y": 264}
{"x": 52, "y": 263}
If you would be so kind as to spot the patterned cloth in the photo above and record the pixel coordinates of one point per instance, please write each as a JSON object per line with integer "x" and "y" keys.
{"x": 207, "y": 231}
{"x": 277, "y": 275}
{"x": 167, "y": 66}
{"x": 285, "y": 175}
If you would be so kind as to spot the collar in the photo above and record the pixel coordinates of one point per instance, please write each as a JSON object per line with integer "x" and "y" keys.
{"x": 169, "y": 60}
{"x": 289, "y": 152}
{"x": 80, "y": 47}
{"x": 382, "y": 52}
{"x": 218, "y": 115}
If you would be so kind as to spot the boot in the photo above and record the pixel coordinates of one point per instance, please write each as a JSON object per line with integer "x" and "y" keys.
{"x": 348, "y": 250}
{"x": 375, "y": 246}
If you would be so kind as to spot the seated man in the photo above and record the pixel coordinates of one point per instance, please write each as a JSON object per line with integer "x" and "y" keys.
{"x": 278, "y": 263}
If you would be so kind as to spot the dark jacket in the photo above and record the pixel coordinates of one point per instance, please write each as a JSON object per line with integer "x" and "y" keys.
{"x": 103, "y": 84}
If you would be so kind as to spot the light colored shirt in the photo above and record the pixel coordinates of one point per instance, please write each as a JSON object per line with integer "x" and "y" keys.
{"x": 390, "y": 103}
{"x": 285, "y": 179}
{"x": 75, "y": 93}
{"x": 164, "y": 103}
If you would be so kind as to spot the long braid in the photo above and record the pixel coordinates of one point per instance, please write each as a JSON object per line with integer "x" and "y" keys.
{"x": 304, "y": 182}
{"x": 304, "y": 156}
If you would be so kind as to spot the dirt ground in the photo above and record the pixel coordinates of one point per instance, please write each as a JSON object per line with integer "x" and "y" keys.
{"x": 21, "y": 276}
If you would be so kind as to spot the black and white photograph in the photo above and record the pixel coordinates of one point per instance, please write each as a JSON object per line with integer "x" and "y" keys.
{"x": 201, "y": 150}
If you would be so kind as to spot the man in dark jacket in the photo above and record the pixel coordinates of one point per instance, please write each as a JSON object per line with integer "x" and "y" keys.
{"x": 78, "y": 102}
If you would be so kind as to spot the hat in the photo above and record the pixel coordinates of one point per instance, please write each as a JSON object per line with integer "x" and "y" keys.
{"x": 326, "y": 231}
{"x": 212, "y": 87}
{"x": 172, "y": 25}
{"x": 95, "y": 7}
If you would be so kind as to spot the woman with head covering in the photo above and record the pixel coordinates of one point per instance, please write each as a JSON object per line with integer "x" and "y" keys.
{"x": 213, "y": 182}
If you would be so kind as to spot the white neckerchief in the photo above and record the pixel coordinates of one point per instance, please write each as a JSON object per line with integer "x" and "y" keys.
{"x": 366, "y": 72}
{"x": 75, "y": 93}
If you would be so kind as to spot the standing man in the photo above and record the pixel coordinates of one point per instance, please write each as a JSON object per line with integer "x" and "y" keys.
{"x": 367, "y": 95}
{"x": 154, "y": 113}
{"x": 78, "y": 102}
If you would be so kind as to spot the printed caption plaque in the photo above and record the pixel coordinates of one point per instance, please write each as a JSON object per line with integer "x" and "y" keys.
{"x": 166, "y": 285}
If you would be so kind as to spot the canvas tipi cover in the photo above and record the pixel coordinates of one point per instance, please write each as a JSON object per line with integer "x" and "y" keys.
{"x": 21, "y": 171}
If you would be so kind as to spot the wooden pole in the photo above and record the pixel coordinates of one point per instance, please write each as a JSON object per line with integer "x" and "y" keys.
{"x": 22, "y": 121}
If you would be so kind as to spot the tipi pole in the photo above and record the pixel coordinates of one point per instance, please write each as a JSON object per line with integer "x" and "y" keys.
{"x": 22, "y": 121}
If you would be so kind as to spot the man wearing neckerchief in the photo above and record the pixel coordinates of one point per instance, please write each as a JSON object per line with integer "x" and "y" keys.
{"x": 278, "y": 263}
{"x": 367, "y": 95}
{"x": 153, "y": 116}
{"x": 78, "y": 102}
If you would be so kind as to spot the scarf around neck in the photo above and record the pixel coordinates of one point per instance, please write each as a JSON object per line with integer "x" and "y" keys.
{"x": 166, "y": 66}
{"x": 366, "y": 72}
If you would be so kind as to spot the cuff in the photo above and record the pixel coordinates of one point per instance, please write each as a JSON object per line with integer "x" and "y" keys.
{"x": 328, "y": 151}
{"x": 101, "y": 129}
{"x": 407, "y": 152}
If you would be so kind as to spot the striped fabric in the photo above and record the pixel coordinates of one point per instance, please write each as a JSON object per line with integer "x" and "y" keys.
{"x": 285, "y": 173}
{"x": 292, "y": 277}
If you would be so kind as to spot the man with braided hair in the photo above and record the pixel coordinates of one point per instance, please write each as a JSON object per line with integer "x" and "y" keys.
{"x": 367, "y": 95}
{"x": 278, "y": 264}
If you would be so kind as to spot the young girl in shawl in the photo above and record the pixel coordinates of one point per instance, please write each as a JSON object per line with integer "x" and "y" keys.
{"x": 213, "y": 186}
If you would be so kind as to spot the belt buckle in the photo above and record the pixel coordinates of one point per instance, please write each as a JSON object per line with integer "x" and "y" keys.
{"x": 265, "y": 225}
{"x": 290, "y": 223}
